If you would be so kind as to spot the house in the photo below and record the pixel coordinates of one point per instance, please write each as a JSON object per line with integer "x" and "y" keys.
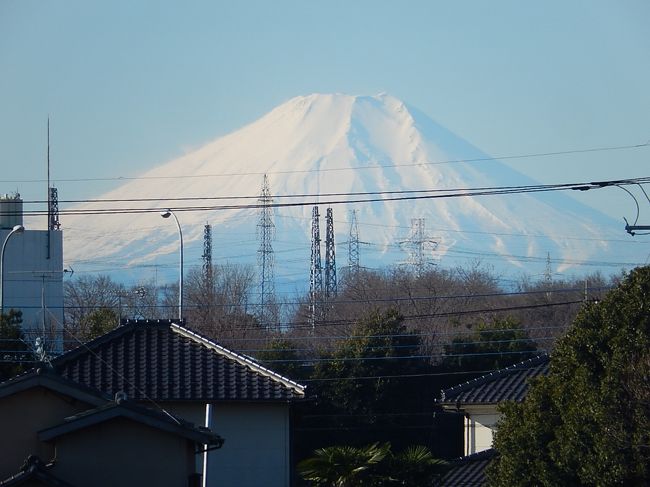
{"x": 89, "y": 439}
{"x": 193, "y": 377}
{"x": 478, "y": 399}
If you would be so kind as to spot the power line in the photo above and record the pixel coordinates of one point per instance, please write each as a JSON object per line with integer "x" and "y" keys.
{"x": 429, "y": 193}
{"x": 379, "y": 166}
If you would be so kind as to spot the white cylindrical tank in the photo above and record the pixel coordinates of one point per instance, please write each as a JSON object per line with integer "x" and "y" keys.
{"x": 11, "y": 210}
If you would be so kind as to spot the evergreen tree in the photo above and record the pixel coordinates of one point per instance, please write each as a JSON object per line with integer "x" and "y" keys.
{"x": 14, "y": 351}
{"x": 586, "y": 423}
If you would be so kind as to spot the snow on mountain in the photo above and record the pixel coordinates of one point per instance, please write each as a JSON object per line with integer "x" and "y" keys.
{"x": 320, "y": 144}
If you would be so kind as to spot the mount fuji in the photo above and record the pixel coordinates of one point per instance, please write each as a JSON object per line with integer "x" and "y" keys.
{"x": 325, "y": 144}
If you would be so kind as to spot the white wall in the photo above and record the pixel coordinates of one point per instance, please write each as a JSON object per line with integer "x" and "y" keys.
{"x": 480, "y": 424}
{"x": 27, "y": 272}
{"x": 257, "y": 447}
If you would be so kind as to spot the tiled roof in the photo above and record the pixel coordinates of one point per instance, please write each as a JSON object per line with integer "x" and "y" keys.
{"x": 469, "y": 471}
{"x": 509, "y": 384}
{"x": 162, "y": 361}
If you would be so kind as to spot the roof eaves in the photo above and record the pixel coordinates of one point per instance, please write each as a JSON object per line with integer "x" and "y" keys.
{"x": 135, "y": 413}
{"x": 243, "y": 360}
{"x": 54, "y": 382}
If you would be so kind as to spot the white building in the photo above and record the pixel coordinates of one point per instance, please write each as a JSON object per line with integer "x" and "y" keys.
{"x": 478, "y": 400}
{"x": 32, "y": 275}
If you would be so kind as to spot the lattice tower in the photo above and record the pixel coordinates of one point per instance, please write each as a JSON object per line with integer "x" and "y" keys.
{"x": 265, "y": 256}
{"x": 353, "y": 244}
{"x": 418, "y": 245}
{"x": 316, "y": 271}
{"x": 330, "y": 256}
{"x": 207, "y": 254}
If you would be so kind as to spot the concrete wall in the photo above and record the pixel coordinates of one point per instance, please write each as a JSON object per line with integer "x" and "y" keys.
{"x": 480, "y": 423}
{"x": 125, "y": 453}
{"x": 257, "y": 448}
{"x": 22, "y": 415}
{"x": 27, "y": 273}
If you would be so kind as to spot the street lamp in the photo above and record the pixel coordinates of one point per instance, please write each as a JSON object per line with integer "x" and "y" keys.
{"x": 167, "y": 214}
{"x": 16, "y": 229}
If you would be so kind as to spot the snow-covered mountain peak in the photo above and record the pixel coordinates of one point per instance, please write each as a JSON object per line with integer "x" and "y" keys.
{"x": 336, "y": 143}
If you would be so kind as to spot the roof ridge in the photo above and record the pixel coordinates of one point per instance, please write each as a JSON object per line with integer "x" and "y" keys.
{"x": 493, "y": 375}
{"x": 242, "y": 359}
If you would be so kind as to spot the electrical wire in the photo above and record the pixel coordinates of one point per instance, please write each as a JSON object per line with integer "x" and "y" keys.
{"x": 374, "y": 167}
{"x": 404, "y": 195}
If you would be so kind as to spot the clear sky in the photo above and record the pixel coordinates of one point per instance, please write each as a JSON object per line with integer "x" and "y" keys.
{"x": 132, "y": 84}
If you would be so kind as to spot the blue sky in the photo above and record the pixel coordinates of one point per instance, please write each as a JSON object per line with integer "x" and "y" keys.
{"x": 129, "y": 85}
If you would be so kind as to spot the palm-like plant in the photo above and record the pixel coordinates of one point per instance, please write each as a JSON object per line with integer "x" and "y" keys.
{"x": 344, "y": 466}
{"x": 416, "y": 466}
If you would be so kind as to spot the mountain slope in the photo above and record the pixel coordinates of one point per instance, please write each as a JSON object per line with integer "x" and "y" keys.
{"x": 320, "y": 144}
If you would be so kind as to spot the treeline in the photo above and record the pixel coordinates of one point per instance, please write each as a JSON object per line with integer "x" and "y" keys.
{"x": 438, "y": 305}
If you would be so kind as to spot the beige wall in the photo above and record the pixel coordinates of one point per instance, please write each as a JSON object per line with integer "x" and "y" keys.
{"x": 22, "y": 415}
{"x": 146, "y": 456}
{"x": 257, "y": 447}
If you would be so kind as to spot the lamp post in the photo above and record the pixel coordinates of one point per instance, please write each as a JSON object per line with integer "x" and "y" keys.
{"x": 15, "y": 229}
{"x": 167, "y": 214}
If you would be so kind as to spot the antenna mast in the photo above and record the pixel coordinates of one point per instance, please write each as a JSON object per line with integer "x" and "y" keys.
{"x": 49, "y": 196}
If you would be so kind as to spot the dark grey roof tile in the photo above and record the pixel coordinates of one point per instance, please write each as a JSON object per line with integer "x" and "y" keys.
{"x": 161, "y": 360}
{"x": 469, "y": 471}
{"x": 509, "y": 384}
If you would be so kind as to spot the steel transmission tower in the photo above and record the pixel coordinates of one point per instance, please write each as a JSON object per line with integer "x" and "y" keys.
{"x": 265, "y": 258}
{"x": 316, "y": 271}
{"x": 207, "y": 254}
{"x": 353, "y": 245}
{"x": 417, "y": 244}
{"x": 330, "y": 256}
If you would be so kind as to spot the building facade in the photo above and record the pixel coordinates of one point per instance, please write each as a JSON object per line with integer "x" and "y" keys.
{"x": 32, "y": 275}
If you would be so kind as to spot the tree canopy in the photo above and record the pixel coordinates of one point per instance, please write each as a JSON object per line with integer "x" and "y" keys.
{"x": 380, "y": 350}
{"x": 586, "y": 423}
{"x": 490, "y": 345}
{"x": 13, "y": 348}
